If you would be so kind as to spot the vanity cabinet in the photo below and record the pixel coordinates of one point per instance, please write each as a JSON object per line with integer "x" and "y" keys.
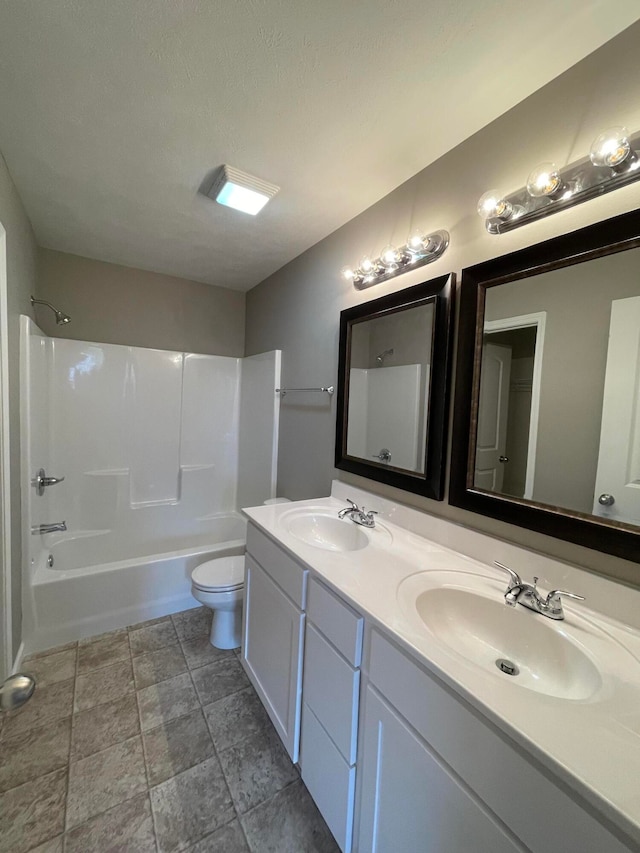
{"x": 411, "y": 800}
{"x": 436, "y": 776}
{"x": 273, "y": 633}
{"x": 330, "y": 693}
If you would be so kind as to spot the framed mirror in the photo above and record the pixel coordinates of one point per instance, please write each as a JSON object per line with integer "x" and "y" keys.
{"x": 546, "y": 428}
{"x": 393, "y": 387}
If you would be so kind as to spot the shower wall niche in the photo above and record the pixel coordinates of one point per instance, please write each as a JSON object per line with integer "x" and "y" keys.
{"x": 155, "y": 446}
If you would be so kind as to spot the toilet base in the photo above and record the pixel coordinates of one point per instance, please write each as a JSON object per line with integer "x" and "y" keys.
{"x": 226, "y": 628}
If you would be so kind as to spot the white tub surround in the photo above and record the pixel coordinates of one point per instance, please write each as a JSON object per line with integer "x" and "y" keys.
{"x": 587, "y": 740}
{"x": 148, "y": 443}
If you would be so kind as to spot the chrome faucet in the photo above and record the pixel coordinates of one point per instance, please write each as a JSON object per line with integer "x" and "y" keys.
{"x": 49, "y": 528}
{"x": 357, "y": 515}
{"x": 520, "y": 592}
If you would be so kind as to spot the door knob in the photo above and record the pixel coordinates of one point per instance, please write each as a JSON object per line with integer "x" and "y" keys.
{"x": 503, "y": 458}
{"x": 606, "y": 500}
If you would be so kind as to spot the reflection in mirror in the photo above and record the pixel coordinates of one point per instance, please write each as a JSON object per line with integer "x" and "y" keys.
{"x": 388, "y": 387}
{"x": 570, "y": 435}
{"x": 393, "y": 387}
{"x": 546, "y": 431}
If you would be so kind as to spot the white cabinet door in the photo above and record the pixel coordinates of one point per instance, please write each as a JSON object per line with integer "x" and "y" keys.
{"x": 409, "y": 799}
{"x": 272, "y": 652}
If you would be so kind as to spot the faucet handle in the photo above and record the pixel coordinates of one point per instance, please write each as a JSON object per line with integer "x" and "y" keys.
{"x": 353, "y": 503}
{"x": 516, "y": 580}
{"x": 556, "y": 593}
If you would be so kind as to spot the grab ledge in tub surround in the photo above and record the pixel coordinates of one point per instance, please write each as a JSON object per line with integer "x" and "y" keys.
{"x": 554, "y": 730}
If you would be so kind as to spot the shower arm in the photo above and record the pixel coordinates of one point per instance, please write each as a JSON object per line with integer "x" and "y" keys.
{"x": 61, "y": 317}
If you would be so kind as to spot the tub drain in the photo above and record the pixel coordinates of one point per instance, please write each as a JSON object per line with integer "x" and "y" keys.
{"x": 507, "y": 666}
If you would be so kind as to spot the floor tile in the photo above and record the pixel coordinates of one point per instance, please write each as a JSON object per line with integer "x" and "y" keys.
{"x": 102, "y": 651}
{"x": 166, "y": 700}
{"x": 99, "y": 638}
{"x": 46, "y": 652}
{"x": 105, "y": 779}
{"x": 176, "y": 746}
{"x": 34, "y": 753}
{"x": 236, "y": 717}
{"x": 190, "y": 806}
{"x": 256, "y": 769}
{"x": 47, "y": 705}
{"x": 199, "y": 652}
{"x": 148, "y": 623}
{"x": 55, "y": 667}
{"x": 288, "y": 823}
{"x": 158, "y": 666}
{"x": 227, "y": 839}
{"x": 53, "y": 846}
{"x": 219, "y": 679}
{"x": 32, "y": 813}
{"x": 104, "y": 685}
{"x": 191, "y": 624}
{"x": 104, "y": 726}
{"x": 152, "y": 638}
{"x": 125, "y": 828}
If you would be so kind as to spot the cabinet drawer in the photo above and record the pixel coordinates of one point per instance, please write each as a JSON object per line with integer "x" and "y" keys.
{"x": 492, "y": 766}
{"x": 330, "y": 780}
{"x": 337, "y": 621}
{"x": 330, "y": 688}
{"x": 289, "y": 575}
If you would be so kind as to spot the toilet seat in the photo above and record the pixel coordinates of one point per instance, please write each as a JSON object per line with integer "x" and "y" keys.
{"x": 222, "y": 574}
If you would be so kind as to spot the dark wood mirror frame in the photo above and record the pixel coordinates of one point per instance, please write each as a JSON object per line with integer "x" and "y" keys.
{"x": 613, "y": 235}
{"x": 440, "y": 293}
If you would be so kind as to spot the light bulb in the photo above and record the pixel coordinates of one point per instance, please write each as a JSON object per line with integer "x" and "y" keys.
{"x": 366, "y": 264}
{"x": 611, "y": 148}
{"x": 389, "y": 257}
{"x": 544, "y": 181}
{"x": 491, "y": 205}
{"x": 415, "y": 242}
{"x": 348, "y": 272}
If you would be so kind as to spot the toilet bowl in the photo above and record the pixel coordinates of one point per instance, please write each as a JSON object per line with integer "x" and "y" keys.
{"x": 219, "y": 585}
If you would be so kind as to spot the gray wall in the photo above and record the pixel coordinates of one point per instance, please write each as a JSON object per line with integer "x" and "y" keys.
{"x": 21, "y": 282}
{"x": 120, "y": 305}
{"x": 297, "y": 309}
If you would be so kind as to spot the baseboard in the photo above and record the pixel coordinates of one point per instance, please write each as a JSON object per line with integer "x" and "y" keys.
{"x": 18, "y": 659}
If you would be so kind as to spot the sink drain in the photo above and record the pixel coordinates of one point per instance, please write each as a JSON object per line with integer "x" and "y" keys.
{"x": 507, "y": 666}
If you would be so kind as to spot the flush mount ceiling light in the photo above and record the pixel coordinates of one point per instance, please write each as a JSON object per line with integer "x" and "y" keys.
{"x": 241, "y": 191}
{"x": 419, "y": 249}
{"x": 612, "y": 163}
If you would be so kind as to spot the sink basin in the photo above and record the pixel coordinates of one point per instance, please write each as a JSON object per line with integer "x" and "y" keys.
{"x": 322, "y": 528}
{"x": 327, "y": 532}
{"x": 468, "y": 615}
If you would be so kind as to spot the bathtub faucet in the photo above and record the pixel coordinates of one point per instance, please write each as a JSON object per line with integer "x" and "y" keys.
{"x": 49, "y": 528}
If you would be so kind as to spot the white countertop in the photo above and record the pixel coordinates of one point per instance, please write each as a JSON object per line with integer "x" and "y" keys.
{"x": 593, "y": 744}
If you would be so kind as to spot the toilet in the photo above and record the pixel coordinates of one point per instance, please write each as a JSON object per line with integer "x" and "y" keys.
{"x": 219, "y": 585}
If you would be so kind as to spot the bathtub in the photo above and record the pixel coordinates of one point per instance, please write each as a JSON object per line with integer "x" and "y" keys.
{"x": 99, "y": 582}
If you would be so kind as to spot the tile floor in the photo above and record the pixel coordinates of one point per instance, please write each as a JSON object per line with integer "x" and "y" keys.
{"x": 148, "y": 739}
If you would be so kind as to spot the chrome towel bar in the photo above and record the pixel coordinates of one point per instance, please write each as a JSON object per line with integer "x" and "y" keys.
{"x": 329, "y": 390}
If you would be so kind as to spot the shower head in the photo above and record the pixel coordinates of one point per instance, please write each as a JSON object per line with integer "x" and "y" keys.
{"x": 380, "y": 358}
{"x": 61, "y": 317}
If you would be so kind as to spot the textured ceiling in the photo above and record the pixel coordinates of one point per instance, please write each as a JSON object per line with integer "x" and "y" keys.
{"x": 112, "y": 112}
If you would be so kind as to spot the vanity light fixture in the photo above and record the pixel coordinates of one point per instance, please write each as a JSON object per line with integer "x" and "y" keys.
{"x": 241, "y": 191}
{"x": 612, "y": 163}
{"x": 420, "y": 249}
